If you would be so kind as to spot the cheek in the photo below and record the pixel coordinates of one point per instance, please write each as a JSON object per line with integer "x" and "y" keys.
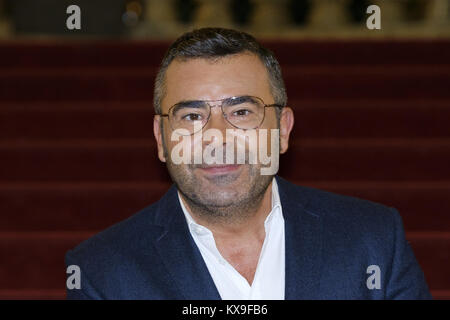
{"x": 269, "y": 142}
{"x": 270, "y": 118}
{"x": 271, "y": 123}
{"x": 192, "y": 145}
{"x": 168, "y": 142}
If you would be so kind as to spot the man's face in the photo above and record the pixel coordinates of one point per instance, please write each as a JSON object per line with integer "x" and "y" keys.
{"x": 202, "y": 79}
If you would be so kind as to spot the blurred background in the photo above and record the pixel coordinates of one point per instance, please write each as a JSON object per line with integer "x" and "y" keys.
{"x": 166, "y": 19}
{"x": 76, "y": 148}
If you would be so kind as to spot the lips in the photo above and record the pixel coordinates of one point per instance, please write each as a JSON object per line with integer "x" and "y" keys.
{"x": 215, "y": 169}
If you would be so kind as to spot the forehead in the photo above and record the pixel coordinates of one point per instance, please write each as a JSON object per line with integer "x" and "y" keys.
{"x": 208, "y": 79}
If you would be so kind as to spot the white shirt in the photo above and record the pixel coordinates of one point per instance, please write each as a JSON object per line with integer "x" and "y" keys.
{"x": 269, "y": 279}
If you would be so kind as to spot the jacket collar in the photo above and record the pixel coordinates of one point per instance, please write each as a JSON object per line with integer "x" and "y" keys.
{"x": 179, "y": 252}
{"x": 183, "y": 260}
{"x": 303, "y": 244}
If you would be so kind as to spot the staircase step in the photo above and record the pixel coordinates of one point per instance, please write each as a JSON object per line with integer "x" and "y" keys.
{"x": 366, "y": 118}
{"x": 77, "y": 85}
{"x": 314, "y": 119}
{"x": 104, "y": 53}
{"x": 367, "y": 159}
{"x": 73, "y": 206}
{"x": 351, "y": 52}
{"x": 74, "y": 161}
{"x": 131, "y": 84}
{"x": 362, "y": 82}
{"x": 432, "y": 250}
{"x": 79, "y": 120}
{"x": 81, "y": 54}
{"x": 308, "y": 159}
{"x": 424, "y": 206}
{"x": 95, "y": 206}
{"x": 440, "y": 294}
{"x": 36, "y": 260}
{"x": 33, "y": 294}
{"x": 79, "y": 206}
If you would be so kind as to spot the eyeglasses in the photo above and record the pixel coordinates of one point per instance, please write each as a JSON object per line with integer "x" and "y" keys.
{"x": 243, "y": 112}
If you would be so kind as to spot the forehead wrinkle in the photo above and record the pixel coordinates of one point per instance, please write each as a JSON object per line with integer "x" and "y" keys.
{"x": 215, "y": 84}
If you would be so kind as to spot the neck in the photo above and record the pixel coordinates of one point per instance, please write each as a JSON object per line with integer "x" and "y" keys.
{"x": 243, "y": 220}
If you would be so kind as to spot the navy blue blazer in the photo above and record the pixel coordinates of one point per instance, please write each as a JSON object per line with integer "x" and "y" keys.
{"x": 331, "y": 240}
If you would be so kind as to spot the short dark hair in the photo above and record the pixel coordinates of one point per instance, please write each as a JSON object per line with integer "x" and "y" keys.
{"x": 214, "y": 43}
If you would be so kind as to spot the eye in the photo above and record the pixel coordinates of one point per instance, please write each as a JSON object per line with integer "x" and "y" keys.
{"x": 242, "y": 112}
{"x": 192, "y": 117}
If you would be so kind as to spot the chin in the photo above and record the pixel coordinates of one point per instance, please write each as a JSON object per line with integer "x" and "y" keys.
{"x": 222, "y": 200}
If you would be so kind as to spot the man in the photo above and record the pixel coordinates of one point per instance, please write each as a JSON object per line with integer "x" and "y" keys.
{"x": 232, "y": 229}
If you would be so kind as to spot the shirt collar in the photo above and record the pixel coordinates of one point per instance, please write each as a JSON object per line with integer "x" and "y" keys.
{"x": 276, "y": 211}
{"x": 190, "y": 221}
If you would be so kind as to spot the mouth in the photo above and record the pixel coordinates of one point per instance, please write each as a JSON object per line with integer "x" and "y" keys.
{"x": 220, "y": 169}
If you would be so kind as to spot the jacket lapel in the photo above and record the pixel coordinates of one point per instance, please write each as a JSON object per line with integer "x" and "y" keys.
{"x": 303, "y": 243}
{"x": 183, "y": 260}
{"x": 180, "y": 254}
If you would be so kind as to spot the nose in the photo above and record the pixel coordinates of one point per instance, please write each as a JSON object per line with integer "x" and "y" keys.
{"x": 217, "y": 120}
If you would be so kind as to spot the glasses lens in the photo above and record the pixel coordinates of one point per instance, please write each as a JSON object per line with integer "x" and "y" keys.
{"x": 189, "y": 116}
{"x": 244, "y": 112}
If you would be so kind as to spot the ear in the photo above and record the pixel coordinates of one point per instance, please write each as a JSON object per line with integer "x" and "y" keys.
{"x": 158, "y": 137}
{"x": 286, "y": 125}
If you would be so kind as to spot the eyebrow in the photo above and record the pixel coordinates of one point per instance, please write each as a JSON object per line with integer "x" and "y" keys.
{"x": 238, "y": 100}
{"x": 188, "y": 104}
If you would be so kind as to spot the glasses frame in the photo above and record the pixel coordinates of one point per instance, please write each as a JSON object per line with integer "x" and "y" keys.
{"x": 208, "y": 102}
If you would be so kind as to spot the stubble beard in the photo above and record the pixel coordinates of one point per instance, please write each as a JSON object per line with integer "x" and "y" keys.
{"x": 222, "y": 199}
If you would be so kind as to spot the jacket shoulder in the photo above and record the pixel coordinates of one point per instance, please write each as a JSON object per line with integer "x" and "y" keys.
{"x": 111, "y": 242}
{"x": 345, "y": 219}
{"x": 330, "y": 205}
{"x": 356, "y": 234}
